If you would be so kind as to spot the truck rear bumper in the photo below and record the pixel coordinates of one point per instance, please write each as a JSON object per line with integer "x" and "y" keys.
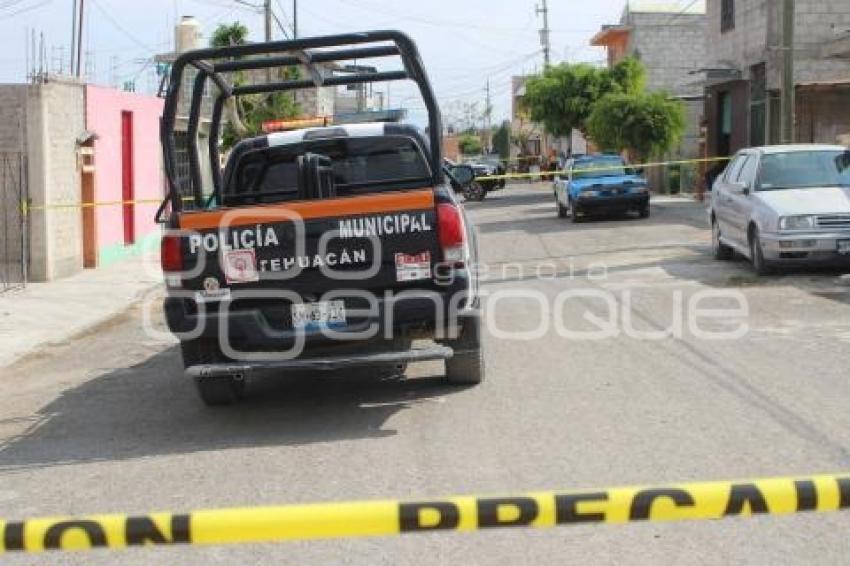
{"x": 268, "y": 326}
{"x": 238, "y": 369}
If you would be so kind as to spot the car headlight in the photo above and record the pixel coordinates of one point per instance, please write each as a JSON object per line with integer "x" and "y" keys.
{"x": 639, "y": 190}
{"x": 588, "y": 194}
{"x": 797, "y": 223}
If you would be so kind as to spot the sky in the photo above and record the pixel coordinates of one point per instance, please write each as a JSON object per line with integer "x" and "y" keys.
{"x": 464, "y": 43}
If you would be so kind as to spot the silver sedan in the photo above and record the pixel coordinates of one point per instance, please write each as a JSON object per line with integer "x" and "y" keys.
{"x": 783, "y": 205}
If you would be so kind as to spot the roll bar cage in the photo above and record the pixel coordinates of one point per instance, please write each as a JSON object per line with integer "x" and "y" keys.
{"x": 214, "y": 64}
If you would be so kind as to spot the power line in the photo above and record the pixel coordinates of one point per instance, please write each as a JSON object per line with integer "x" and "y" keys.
{"x": 117, "y": 25}
{"x": 27, "y": 9}
{"x": 681, "y": 12}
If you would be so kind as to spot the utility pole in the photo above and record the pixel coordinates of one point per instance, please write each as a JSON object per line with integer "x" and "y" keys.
{"x": 488, "y": 111}
{"x": 295, "y": 19}
{"x": 544, "y": 33}
{"x": 73, "y": 36}
{"x": 80, "y": 17}
{"x": 267, "y": 8}
{"x": 787, "y": 104}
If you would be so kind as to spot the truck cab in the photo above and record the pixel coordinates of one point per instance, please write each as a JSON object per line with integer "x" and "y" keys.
{"x": 319, "y": 248}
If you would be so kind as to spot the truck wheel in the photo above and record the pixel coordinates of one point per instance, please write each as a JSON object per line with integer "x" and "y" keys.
{"x": 466, "y": 367}
{"x": 213, "y": 391}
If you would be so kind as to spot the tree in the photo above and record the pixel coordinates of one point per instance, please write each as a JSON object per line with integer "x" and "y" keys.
{"x": 562, "y": 97}
{"x": 645, "y": 124}
{"x": 502, "y": 140}
{"x": 248, "y": 113}
{"x": 226, "y": 35}
{"x": 470, "y": 144}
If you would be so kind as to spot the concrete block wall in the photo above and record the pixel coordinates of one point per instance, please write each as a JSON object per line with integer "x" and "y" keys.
{"x": 13, "y": 101}
{"x": 818, "y": 22}
{"x": 57, "y": 111}
{"x": 758, "y": 34}
{"x": 745, "y": 44}
{"x": 670, "y": 45}
{"x": 43, "y": 121}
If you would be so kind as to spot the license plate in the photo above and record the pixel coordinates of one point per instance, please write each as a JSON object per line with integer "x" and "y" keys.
{"x": 844, "y": 247}
{"x": 318, "y": 315}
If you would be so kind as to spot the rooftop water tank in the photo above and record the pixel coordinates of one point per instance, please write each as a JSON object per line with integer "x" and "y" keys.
{"x": 187, "y": 34}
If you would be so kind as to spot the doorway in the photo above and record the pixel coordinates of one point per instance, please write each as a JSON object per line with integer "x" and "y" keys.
{"x": 127, "y": 186}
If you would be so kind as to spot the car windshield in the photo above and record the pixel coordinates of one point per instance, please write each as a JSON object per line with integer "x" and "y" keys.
{"x": 599, "y": 167}
{"x": 804, "y": 169}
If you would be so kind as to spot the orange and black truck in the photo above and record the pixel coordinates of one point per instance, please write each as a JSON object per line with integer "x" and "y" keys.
{"x": 316, "y": 248}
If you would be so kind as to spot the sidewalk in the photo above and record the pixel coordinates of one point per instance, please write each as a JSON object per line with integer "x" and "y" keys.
{"x": 44, "y": 313}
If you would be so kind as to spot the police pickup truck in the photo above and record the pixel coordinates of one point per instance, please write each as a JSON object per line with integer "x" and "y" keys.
{"x": 316, "y": 248}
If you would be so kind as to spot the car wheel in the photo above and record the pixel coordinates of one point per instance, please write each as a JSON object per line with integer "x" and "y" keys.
{"x": 761, "y": 266}
{"x": 576, "y": 214}
{"x": 474, "y": 192}
{"x": 643, "y": 212}
{"x": 219, "y": 390}
{"x": 466, "y": 366}
{"x": 718, "y": 249}
{"x": 562, "y": 210}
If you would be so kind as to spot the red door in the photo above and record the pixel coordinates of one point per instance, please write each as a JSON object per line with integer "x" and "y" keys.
{"x": 127, "y": 188}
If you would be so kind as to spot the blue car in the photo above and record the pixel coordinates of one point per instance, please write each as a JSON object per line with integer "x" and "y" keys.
{"x": 603, "y": 184}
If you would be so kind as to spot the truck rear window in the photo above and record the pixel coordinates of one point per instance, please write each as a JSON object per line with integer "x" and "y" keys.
{"x": 360, "y": 165}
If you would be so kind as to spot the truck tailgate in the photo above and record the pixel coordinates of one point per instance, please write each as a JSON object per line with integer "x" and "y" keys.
{"x": 373, "y": 242}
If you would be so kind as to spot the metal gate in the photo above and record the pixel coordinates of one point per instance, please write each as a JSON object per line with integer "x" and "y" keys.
{"x": 14, "y": 239}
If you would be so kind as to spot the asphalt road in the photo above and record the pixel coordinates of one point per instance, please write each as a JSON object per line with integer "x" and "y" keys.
{"x": 106, "y": 423}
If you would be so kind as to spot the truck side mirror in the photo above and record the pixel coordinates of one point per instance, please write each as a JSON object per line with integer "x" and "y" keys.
{"x": 463, "y": 174}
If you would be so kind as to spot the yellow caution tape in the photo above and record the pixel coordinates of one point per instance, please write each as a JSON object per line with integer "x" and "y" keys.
{"x": 690, "y": 501}
{"x": 26, "y": 207}
{"x": 600, "y": 168}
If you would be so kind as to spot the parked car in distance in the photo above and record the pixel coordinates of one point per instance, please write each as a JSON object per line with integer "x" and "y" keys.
{"x": 600, "y": 183}
{"x": 485, "y": 166}
{"x": 783, "y": 205}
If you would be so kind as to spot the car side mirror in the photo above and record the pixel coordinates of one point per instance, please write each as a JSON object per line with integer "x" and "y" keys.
{"x": 639, "y": 171}
{"x": 740, "y": 187}
{"x": 463, "y": 174}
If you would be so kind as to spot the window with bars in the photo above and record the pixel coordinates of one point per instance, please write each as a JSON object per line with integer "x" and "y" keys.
{"x": 727, "y": 15}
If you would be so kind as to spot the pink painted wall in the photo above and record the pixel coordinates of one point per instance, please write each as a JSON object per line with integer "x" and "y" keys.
{"x": 103, "y": 117}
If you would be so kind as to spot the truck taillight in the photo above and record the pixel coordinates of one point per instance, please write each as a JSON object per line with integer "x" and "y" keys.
{"x": 171, "y": 252}
{"x": 451, "y": 232}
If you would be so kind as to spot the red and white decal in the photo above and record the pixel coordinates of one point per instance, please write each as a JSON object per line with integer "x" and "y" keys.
{"x": 240, "y": 266}
{"x": 412, "y": 267}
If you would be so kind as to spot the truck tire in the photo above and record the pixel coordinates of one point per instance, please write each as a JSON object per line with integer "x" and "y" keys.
{"x": 466, "y": 367}
{"x": 214, "y": 391}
